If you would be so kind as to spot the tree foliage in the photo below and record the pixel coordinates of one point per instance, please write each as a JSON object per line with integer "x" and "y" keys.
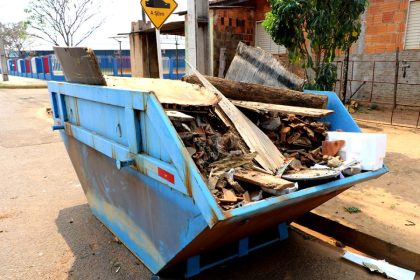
{"x": 313, "y": 31}
{"x": 64, "y": 22}
{"x": 15, "y": 37}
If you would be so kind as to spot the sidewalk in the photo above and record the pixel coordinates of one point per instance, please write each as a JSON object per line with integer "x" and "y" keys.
{"x": 20, "y": 82}
{"x": 390, "y": 205}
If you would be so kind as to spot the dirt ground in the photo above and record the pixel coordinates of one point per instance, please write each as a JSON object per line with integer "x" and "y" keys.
{"x": 390, "y": 205}
{"x": 48, "y": 232}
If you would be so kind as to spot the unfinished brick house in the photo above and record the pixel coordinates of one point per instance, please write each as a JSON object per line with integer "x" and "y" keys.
{"x": 235, "y": 21}
{"x": 387, "y": 25}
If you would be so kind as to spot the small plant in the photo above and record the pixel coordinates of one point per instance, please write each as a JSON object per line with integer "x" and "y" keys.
{"x": 352, "y": 209}
{"x": 374, "y": 106}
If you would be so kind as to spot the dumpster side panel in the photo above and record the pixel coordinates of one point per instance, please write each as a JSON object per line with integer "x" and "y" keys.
{"x": 341, "y": 119}
{"x": 152, "y": 220}
{"x": 225, "y": 233}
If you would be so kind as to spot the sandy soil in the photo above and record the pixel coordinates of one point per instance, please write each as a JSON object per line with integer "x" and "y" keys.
{"x": 390, "y": 205}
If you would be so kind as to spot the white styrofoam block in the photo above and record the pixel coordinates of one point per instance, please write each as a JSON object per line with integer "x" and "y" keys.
{"x": 368, "y": 148}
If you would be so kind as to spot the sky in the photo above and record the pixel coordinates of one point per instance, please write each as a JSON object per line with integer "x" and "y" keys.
{"x": 118, "y": 16}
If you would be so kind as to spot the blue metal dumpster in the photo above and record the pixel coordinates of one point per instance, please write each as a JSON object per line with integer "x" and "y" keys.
{"x": 142, "y": 183}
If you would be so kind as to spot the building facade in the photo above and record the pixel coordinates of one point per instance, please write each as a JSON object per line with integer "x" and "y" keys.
{"x": 387, "y": 52}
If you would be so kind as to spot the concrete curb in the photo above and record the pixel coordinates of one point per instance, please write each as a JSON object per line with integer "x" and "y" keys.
{"x": 14, "y": 86}
{"x": 369, "y": 244}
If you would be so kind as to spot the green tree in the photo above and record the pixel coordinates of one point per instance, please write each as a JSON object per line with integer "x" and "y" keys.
{"x": 313, "y": 31}
{"x": 15, "y": 37}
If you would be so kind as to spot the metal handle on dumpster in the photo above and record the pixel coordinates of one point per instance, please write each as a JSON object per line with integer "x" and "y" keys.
{"x": 58, "y": 127}
{"x": 121, "y": 164}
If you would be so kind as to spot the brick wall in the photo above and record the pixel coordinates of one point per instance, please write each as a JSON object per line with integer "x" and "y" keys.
{"x": 385, "y": 24}
{"x": 261, "y": 8}
{"x": 230, "y": 26}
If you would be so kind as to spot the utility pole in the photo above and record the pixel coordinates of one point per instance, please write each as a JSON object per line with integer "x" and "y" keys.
{"x": 3, "y": 61}
{"x": 198, "y": 36}
{"x": 118, "y": 39}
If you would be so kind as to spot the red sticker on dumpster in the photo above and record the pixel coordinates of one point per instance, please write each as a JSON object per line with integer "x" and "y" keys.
{"x": 166, "y": 175}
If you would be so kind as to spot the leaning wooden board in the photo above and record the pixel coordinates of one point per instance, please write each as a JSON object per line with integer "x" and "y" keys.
{"x": 268, "y": 156}
{"x": 80, "y": 66}
{"x": 264, "y": 107}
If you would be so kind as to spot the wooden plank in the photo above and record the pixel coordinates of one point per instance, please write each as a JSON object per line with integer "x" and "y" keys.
{"x": 301, "y": 111}
{"x": 255, "y": 65}
{"x": 168, "y": 91}
{"x": 262, "y": 180}
{"x": 268, "y": 156}
{"x": 80, "y": 66}
{"x": 265, "y": 94}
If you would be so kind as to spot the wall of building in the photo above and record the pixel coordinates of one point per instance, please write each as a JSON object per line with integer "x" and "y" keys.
{"x": 261, "y": 8}
{"x": 385, "y": 26}
{"x": 230, "y": 26}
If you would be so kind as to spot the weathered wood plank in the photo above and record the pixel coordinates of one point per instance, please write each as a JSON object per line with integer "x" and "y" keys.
{"x": 80, "y": 65}
{"x": 264, "y": 107}
{"x": 259, "y": 93}
{"x": 268, "y": 156}
{"x": 167, "y": 91}
{"x": 254, "y": 65}
{"x": 262, "y": 180}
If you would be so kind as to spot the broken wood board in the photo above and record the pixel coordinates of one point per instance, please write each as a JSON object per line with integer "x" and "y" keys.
{"x": 268, "y": 156}
{"x": 255, "y": 65}
{"x": 262, "y": 180}
{"x": 80, "y": 65}
{"x": 167, "y": 91}
{"x": 300, "y": 111}
{"x": 265, "y": 94}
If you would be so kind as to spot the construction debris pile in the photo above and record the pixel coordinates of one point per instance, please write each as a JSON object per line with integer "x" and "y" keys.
{"x": 280, "y": 124}
{"x": 296, "y": 137}
{"x": 217, "y": 151}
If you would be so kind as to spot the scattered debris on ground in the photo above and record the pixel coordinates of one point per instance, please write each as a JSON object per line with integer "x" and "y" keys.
{"x": 380, "y": 266}
{"x": 409, "y": 223}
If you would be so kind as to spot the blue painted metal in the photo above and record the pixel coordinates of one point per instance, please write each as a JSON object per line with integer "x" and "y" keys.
{"x": 58, "y": 127}
{"x": 141, "y": 182}
{"x": 194, "y": 266}
{"x": 341, "y": 119}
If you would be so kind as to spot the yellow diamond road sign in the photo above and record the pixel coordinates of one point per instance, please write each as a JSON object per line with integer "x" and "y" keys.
{"x": 158, "y": 11}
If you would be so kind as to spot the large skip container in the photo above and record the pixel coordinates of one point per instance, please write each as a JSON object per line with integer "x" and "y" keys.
{"x": 142, "y": 183}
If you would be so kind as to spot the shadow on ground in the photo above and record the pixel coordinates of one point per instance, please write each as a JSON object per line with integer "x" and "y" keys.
{"x": 97, "y": 255}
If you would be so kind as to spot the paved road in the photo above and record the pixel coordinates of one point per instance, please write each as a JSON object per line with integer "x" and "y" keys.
{"x": 48, "y": 232}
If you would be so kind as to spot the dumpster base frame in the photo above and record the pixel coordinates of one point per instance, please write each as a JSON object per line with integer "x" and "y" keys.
{"x": 194, "y": 266}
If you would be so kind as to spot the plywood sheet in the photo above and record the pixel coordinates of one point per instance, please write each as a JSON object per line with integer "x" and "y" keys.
{"x": 79, "y": 65}
{"x": 168, "y": 91}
